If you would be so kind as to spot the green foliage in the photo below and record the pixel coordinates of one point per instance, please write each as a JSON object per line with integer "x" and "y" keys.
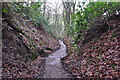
{"x": 34, "y": 57}
{"x": 113, "y": 65}
{"x": 115, "y": 34}
{"x": 88, "y": 15}
{"x": 75, "y": 47}
{"x": 33, "y": 13}
{"x": 99, "y": 57}
{"x": 89, "y": 61}
{"x": 5, "y": 11}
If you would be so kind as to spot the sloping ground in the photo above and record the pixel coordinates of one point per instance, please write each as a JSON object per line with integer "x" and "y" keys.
{"x": 16, "y": 57}
{"x": 98, "y": 58}
{"x": 39, "y": 38}
{"x": 21, "y": 53}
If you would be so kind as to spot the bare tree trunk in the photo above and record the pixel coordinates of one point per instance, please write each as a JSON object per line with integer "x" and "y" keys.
{"x": 44, "y": 8}
{"x": 69, "y": 9}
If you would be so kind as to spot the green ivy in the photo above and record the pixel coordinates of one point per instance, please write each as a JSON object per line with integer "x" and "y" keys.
{"x": 87, "y": 16}
{"x": 5, "y": 11}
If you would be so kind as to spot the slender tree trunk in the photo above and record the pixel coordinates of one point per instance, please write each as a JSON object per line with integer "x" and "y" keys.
{"x": 44, "y": 8}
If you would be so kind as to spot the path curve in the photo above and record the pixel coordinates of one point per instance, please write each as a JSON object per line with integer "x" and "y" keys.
{"x": 53, "y": 66}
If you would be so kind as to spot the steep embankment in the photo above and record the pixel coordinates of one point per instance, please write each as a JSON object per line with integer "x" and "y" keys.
{"x": 100, "y": 56}
{"x": 23, "y": 47}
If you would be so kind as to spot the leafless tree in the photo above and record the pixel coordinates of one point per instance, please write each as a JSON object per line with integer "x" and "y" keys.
{"x": 69, "y": 9}
{"x": 44, "y": 7}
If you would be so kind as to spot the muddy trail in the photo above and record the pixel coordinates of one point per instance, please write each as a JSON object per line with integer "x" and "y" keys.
{"x": 53, "y": 66}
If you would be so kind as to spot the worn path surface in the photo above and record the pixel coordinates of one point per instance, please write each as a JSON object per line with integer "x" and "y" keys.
{"x": 53, "y": 67}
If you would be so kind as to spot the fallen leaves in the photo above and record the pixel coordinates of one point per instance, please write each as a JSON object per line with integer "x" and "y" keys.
{"x": 102, "y": 60}
{"x": 16, "y": 54}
